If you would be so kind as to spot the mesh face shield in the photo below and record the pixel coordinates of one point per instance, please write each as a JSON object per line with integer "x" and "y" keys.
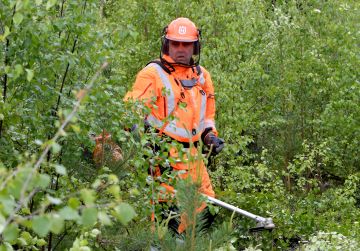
{"x": 195, "y": 58}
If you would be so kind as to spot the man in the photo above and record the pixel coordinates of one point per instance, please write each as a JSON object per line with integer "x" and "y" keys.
{"x": 181, "y": 96}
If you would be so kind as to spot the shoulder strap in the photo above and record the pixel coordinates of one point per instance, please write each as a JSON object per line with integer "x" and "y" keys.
{"x": 198, "y": 70}
{"x": 158, "y": 62}
{"x": 200, "y": 75}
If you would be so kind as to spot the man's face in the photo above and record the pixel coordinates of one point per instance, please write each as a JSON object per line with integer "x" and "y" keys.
{"x": 181, "y": 52}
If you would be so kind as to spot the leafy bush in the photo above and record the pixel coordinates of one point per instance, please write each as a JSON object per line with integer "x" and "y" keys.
{"x": 330, "y": 241}
{"x": 287, "y": 91}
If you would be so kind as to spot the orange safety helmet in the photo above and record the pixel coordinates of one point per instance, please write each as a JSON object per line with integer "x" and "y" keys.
{"x": 182, "y": 29}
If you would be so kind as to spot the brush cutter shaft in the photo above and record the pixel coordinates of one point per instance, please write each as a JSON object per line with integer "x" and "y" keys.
{"x": 236, "y": 209}
{"x": 262, "y": 223}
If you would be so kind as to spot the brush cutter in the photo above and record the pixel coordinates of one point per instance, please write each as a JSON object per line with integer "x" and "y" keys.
{"x": 261, "y": 222}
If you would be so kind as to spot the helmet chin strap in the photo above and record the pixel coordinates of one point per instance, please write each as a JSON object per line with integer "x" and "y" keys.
{"x": 166, "y": 63}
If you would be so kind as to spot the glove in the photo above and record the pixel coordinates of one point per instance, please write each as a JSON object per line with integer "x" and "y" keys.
{"x": 216, "y": 143}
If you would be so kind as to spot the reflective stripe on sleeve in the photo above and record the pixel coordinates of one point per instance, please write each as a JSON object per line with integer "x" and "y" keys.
{"x": 209, "y": 123}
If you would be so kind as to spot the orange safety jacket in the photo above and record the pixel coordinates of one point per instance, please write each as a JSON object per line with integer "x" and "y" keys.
{"x": 191, "y": 111}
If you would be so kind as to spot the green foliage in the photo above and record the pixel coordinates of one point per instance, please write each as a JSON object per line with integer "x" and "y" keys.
{"x": 330, "y": 241}
{"x": 287, "y": 92}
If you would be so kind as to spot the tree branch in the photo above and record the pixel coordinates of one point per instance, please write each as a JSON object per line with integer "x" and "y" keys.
{"x": 6, "y": 61}
{"x": 23, "y": 198}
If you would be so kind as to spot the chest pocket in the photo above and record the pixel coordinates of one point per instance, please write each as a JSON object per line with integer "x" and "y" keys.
{"x": 192, "y": 104}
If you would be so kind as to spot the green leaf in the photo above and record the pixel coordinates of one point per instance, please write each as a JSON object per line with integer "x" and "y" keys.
{"x": 29, "y": 74}
{"x": 21, "y": 241}
{"x": 19, "y": 5}
{"x": 18, "y": 17}
{"x": 7, "y": 204}
{"x": 55, "y": 147}
{"x": 43, "y": 180}
{"x": 60, "y": 169}
{"x": 40, "y": 242}
{"x": 76, "y": 128}
{"x": 95, "y": 232}
{"x": 19, "y": 69}
{"x": 41, "y": 225}
{"x": 89, "y": 216}
{"x": 87, "y": 196}
{"x": 38, "y": 2}
{"x": 74, "y": 202}
{"x": 6, "y": 247}
{"x": 2, "y": 223}
{"x": 57, "y": 223}
{"x": 53, "y": 200}
{"x": 14, "y": 188}
{"x": 96, "y": 184}
{"x": 7, "y": 69}
{"x": 113, "y": 179}
{"x": 50, "y": 4}
{"x": 68, "y": 213}
{"x": 38, "y": 142}
{"x": 25, "y": 238}
{"x": 124, "y": 213}
{"x": 114, "y": 190}
{"x": 104, "y": 218}
{"x": 25, "y": 211}
{"x": 11, "y": 232}
{"x": 6, "y": 33}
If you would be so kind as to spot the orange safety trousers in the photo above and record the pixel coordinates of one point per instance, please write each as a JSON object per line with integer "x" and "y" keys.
{"x": 189, "y": 164}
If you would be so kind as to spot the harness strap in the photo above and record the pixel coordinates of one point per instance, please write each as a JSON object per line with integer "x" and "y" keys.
{"x": 198, "y": 69}
{"x": 167, "y": 70}
{"x": 162, "y": 65}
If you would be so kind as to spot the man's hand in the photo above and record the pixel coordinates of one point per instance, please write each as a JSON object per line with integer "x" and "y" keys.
{"x": 214, "y": 143}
